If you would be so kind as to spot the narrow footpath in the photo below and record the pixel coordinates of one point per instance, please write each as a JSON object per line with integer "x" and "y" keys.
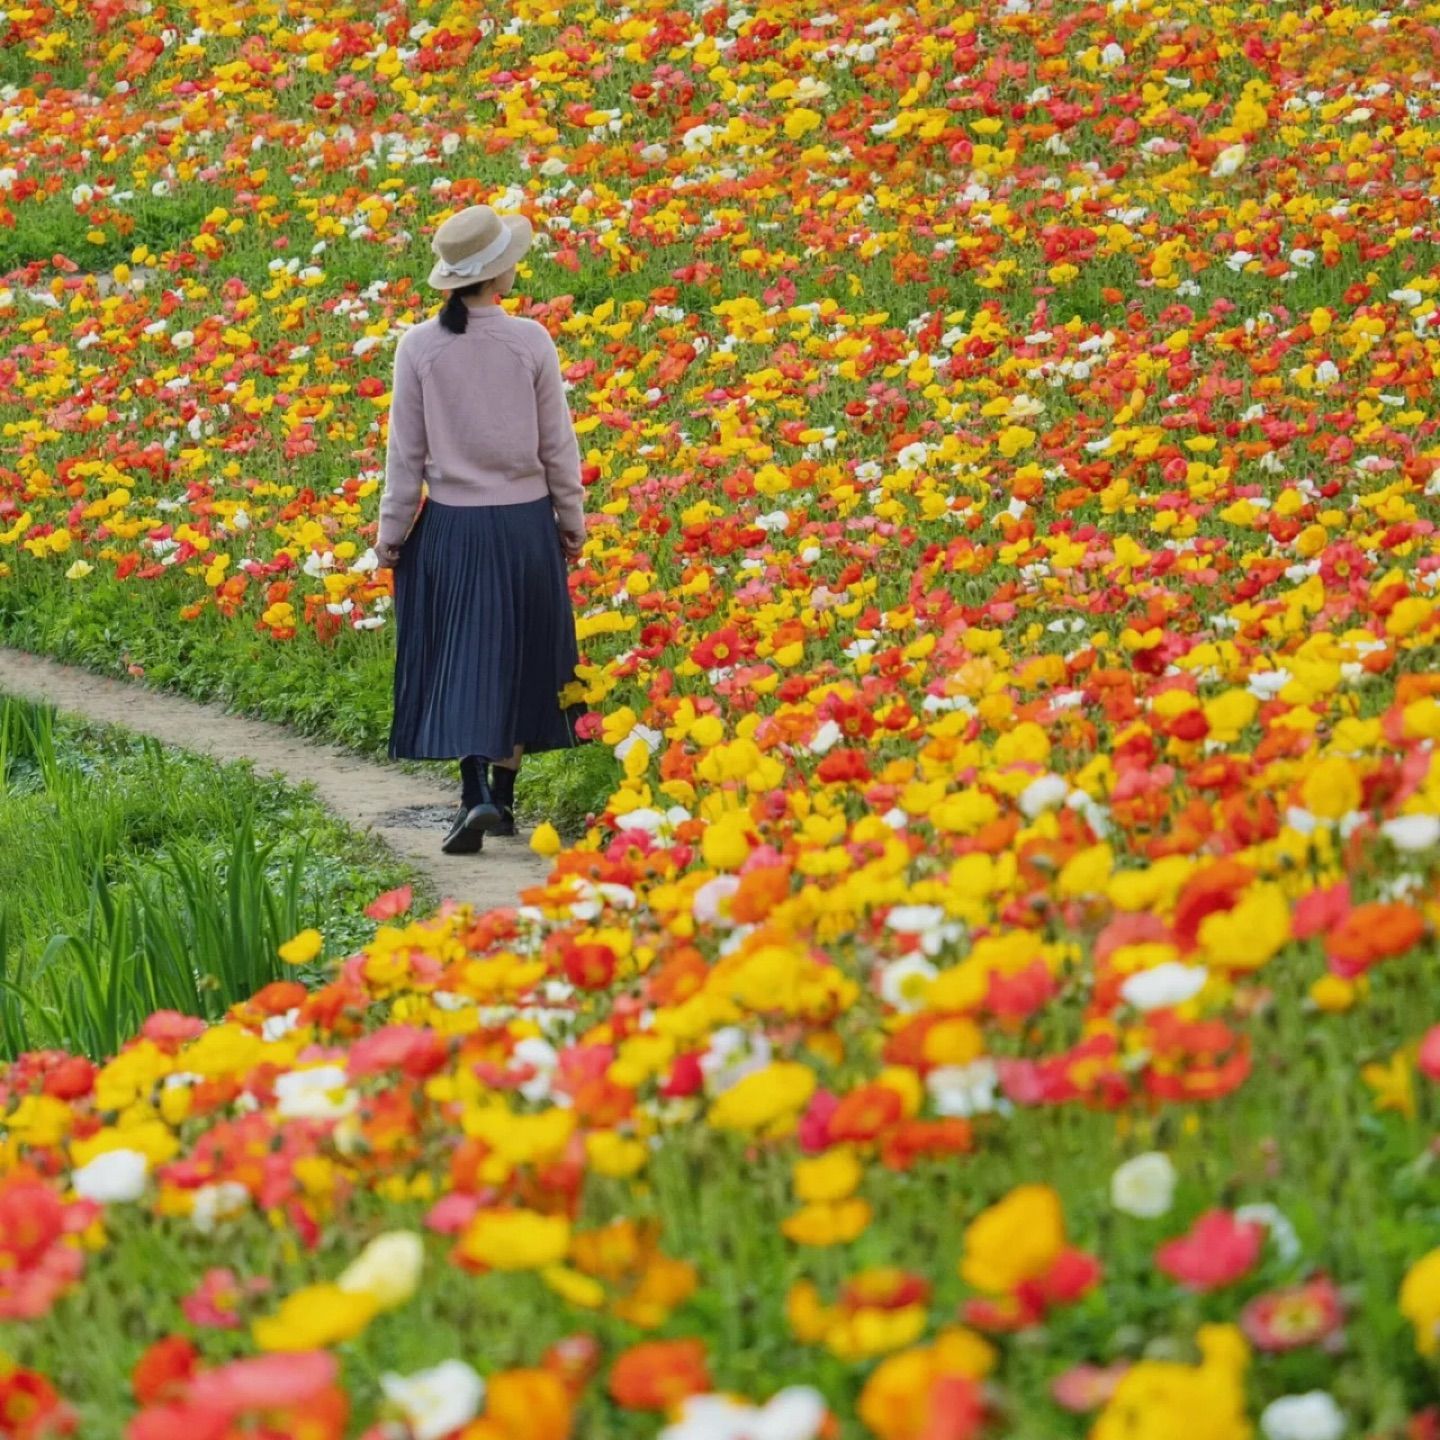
{"x": 408, "y": 812}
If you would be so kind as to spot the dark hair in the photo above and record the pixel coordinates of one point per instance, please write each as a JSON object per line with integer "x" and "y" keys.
{"x": 454, "y": 314}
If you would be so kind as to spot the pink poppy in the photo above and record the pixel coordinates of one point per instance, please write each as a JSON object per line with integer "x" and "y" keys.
{"x": 215, "y": 1302}
{"x": 1087, "y": 1387}
{"x": 1294, "y": 1317}
{"x": 1320, "y": 910}
{"x": 391, "y": 903}
{"x": 813, "y": 1131}
{"x": 408, "y": 1048}
{"x": 264, "y": 1382}
{"x": 1429, "y": 1055}
{"x": 28, "y": 1294}
{"x": 169, "y": 1029}
{"x": 1218, "y": 1250}
{"x": 450, "y": 1215}
{"x": 1138, "y": 929}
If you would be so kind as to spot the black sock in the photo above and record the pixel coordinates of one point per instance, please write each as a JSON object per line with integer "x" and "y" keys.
{"x": 502, "y": 786}
{"x": 472, "y": 780}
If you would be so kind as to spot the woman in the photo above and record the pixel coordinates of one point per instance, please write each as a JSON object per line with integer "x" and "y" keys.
{"x": 485, "y": 632}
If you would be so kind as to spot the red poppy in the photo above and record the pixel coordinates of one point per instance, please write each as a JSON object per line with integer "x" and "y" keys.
{"x": 276, "y": 998}
{"x": 72, "y": 1078}
{"x": 1073, "y": 1276}
{"x": 1021, "y": 993}
{"x": 1371, "y": 933}
{"x": 723, "y": 648}
{"x": 1215, "y": 888}
{"x": 30, "y": 1408}
{"x": 589, "y": 966}
{"x": 659, "y": 1374}
{"x": 685, "y": 1078}
{"x": 885, "y": 1288}
{"x": 954, "y": 1409}
{"x": 912, "y": 1140}
{"x": 865, "y": 1112}
{"x": 843, "y": 766}
{"x": 164, "y": 1370}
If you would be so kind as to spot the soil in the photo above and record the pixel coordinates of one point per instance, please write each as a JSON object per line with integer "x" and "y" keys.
{"x": 409, "y": 813}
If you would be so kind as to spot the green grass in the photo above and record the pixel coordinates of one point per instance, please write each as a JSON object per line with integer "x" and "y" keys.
{"x": 55, "y": 227}
{"x": 135, "y": 878}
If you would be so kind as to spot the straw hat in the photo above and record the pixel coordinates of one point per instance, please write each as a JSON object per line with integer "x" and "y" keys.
{"x": 476, "y": 244}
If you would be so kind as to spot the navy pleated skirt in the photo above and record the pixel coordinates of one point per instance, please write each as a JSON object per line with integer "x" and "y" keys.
{"x": 485, "y": 634}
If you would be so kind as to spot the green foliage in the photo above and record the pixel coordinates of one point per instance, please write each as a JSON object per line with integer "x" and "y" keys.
{"x": 134, "y": 880}
{"x": 55, "y": 227}
{"x": 566, "y": 787}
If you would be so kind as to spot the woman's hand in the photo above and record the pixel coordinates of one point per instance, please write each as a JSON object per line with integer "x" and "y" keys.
{"x": 572, "y": 542}
{"x": 387, "y": 555}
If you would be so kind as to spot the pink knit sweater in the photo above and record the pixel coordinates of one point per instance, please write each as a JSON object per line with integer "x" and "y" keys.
{"x": 480, "y": 418}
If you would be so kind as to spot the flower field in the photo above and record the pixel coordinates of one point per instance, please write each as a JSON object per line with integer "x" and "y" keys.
{"x": 995, "y": 993}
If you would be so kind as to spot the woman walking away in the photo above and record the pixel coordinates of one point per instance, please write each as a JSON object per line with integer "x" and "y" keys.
{"x": 485, "y": 631}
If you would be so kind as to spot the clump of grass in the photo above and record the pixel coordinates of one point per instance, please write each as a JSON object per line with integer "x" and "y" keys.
{"x": 133, "y": 879}
{"x": 566, "y": 787}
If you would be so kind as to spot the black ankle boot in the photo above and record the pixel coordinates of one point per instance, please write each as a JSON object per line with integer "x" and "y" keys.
{"x": 478, "y": 811}
{"x": 463, "y": 838}
{"x": 502, "y": 791}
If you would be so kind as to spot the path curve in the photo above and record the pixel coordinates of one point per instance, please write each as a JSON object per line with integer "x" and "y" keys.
{"x": 408, "y": 812}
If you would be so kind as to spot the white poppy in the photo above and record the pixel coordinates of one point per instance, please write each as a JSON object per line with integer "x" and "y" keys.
{"x": 115, "y": 1177}
{"x": 542, "y": 1057}
{"x": 1282, "y": 1232}
{"x": 1164, "y": 985}
{"x": 387, "y": 1269}
{"x": 707, "y": 902}
{"x": 732, "y": 1055}
{"x": 964, "y": 1090}
{"x": 216, "y": 1203}
{"x": 795, "y": 1413}
{"x": 914, "y": 919}
{"x": 438, "y": 1401}
{"x": 1312, "y": 1416}
{"x": 319, "y": 1093}
{"x": 1043, "y": 794}
{"x": 827, "y": 736}
{"x": 1144, "y": 1186}
{"x": 1412, "y": 832}
{"x": 904, "y": 983}
{"x": 1228, "y": 161}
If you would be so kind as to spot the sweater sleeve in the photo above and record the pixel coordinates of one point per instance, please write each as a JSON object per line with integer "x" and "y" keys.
{"x": 559, "y": 446}
{"x": 405, "y": 451}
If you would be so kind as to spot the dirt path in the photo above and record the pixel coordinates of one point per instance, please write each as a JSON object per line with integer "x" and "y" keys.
{"x": 409, "y": 813}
